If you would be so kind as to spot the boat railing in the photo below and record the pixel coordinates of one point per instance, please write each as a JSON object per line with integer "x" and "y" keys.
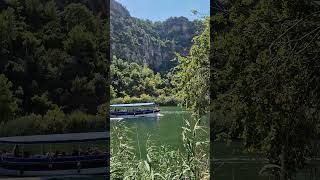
{"x": 137, "y": 111}
{"x": 47, "y": 159}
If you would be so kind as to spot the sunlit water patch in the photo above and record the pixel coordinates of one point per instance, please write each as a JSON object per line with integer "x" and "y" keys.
{"x": 163, "y": 130}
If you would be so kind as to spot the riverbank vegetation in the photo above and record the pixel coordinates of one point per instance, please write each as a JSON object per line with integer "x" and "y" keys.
{"x": 54, "y": 64}
{"x": 162, "y": 162}
{"x": 266, "y": 79}
{"x": 52, "y": 122}
{"x": 131, "y": 83}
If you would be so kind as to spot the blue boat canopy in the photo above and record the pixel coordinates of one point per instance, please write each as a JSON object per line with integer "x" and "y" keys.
{"x": 132, "y": 105}
{"x": 56, "y": 138}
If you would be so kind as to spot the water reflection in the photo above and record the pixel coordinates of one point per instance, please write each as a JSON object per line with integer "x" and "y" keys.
{"x": 231, "y": 162}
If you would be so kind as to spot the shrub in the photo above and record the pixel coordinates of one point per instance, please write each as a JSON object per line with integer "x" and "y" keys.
{"x": 54, "y": 121}
{"x": 26, "y": 125}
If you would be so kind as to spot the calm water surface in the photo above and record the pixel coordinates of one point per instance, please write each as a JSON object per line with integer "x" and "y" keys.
{"x": 236, "y": 164}
{"x": 166, "y": 130}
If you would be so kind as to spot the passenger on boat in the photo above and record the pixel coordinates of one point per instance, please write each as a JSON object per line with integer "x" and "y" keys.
{"x": 16, "y": 152}
{"x": 5, "y": 153}
{"x": 95, "y": 151}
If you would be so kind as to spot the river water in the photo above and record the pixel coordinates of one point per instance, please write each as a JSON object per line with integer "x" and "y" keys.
{"x": 235, "y": 164}
{"x": 164, "y": 130}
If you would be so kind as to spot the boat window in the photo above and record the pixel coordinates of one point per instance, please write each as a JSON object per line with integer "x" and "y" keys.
{"x": 56, "y": 150}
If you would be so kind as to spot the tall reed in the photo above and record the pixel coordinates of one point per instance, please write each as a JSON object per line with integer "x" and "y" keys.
{"x": 162, "y": 161}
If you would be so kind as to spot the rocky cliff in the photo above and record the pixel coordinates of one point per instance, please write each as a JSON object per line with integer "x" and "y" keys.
{"x": 150, "y": 43}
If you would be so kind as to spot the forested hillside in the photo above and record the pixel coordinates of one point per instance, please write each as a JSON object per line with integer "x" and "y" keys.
{"x": 145, "y": 55}
{"x": 151, "y": 43}
{"x": 54, "y": 57}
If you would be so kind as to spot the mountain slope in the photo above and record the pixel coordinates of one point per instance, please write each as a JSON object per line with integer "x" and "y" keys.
{"x": 150, "y": 43}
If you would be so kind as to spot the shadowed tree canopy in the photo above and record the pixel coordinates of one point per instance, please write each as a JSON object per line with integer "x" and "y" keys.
{"x": 266, "y": 78}
{"x": 54, "y": 52}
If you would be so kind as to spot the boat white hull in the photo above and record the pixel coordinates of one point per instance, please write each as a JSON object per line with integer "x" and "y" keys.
{"x": 89, "y": 171}
{"x": 137, "y": 116}
{"x": 116, "y": 119}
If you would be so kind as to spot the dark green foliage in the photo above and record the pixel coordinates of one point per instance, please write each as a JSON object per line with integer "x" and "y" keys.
{"x": 55, "y": 53}
{"x": 54, "y": 121}
{"x": 54, "y": 61}
{"x": 77, "y": 14}
{"x": 8, "y": 103}
{"x": 41, "y": 104}
{"x": 80, "y": 44}
{"x": 266, "y": 77}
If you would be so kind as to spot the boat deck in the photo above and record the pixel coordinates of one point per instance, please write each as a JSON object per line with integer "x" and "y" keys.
{"x": 24, "y": 178}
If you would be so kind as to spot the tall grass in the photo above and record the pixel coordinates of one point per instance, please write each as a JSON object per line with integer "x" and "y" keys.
{"x": 162, "y": 161}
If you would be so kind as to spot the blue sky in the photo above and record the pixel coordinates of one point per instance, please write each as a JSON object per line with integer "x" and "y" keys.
{"x": 160, "y": 10}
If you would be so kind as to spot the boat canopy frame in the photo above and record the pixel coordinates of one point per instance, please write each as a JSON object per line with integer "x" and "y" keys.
{"x": 56, "y": 138}
{"x": 132, "y": 105}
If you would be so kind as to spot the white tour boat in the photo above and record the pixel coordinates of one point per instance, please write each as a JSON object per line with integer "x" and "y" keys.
{"x": 134, "y": 110}
{"x": 21, "y": 164}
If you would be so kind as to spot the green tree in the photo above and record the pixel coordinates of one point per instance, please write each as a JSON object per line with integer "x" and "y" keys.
{"x": 192, "y": 75}
{"x": 51, "y": 10}
{"x": 9, "y": 30}
{"x": 134, "y": 80}
{"x": 8, "y": 104}
{"x": 41, "y": 104}
{"x": 80, "y": 43}
{"x": 79, "y": 15}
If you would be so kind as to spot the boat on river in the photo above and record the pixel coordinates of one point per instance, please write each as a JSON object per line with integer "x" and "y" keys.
{"x": 19, "y": 163}
{"x": 134, "y": 110}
